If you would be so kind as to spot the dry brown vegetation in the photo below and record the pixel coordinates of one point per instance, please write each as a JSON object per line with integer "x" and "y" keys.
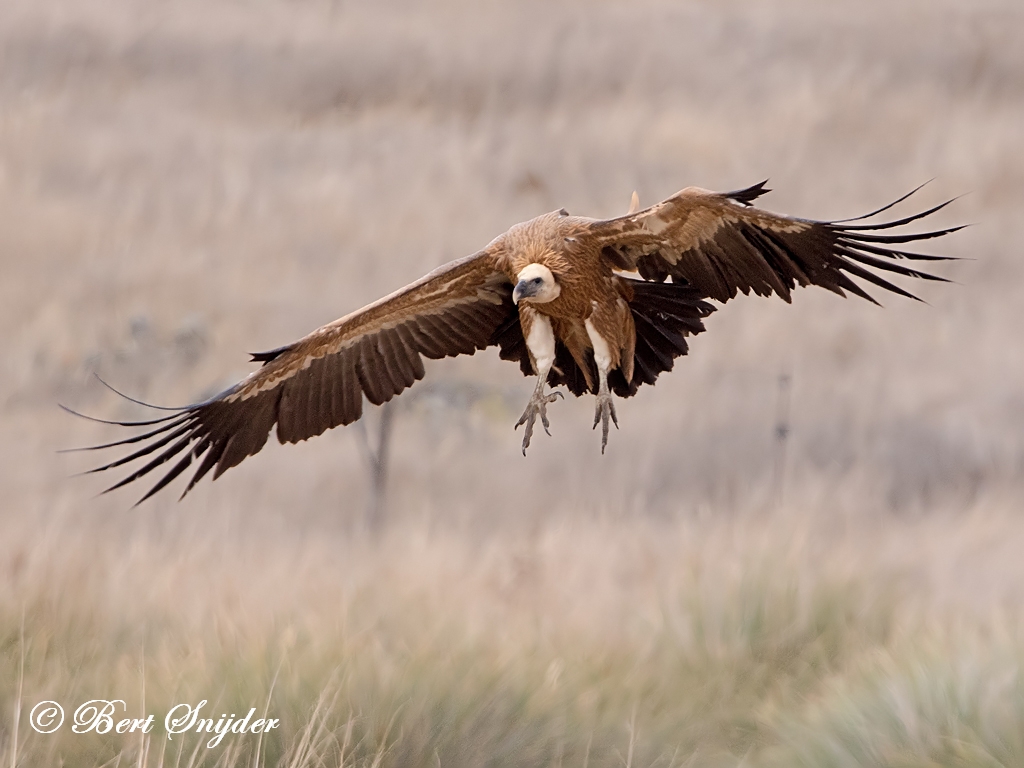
{"x": 183, "y": 182}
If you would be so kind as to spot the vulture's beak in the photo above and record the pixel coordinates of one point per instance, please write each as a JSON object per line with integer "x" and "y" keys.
{"x": 524, "y": 289}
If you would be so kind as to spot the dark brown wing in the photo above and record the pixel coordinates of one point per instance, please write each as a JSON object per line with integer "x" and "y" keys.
{"x": 319, "y": 381}
{"x": 720, "y": 245}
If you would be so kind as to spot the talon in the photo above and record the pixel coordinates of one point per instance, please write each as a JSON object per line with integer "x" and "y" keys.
{"x": 537, "y": 406}
{"x": 603, "y": 413}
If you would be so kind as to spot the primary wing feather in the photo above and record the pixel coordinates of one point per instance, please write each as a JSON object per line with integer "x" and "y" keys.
{"x": 319, "y": 382}
{"x": 721, "y": 245}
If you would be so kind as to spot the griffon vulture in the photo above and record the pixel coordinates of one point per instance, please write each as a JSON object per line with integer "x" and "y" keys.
{"x": 584, "y": 303}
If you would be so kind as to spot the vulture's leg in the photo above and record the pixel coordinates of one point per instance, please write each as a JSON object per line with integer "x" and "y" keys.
{"x": 605, "y": 408}
{"x": 538, "y": 405}
{"x": 541, "y": 342}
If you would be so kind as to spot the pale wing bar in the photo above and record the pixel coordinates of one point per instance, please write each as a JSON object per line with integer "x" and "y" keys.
{"x": 319, "y": 382}
{"x": 722, "y": 246}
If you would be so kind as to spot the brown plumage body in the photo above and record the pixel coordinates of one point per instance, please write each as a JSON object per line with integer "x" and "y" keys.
{"x": 598, "y": 306}
{"x": 590, "y": 289}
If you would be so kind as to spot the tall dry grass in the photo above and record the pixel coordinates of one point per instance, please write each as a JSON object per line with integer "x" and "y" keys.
{"x": 764, "y": 640}
{"x": 181, "y": 183}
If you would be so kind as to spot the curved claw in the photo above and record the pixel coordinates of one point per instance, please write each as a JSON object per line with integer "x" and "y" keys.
{"x": 555, "y": 395}
{"x": 604, "y": 412}
{"x": 537, "y": 406}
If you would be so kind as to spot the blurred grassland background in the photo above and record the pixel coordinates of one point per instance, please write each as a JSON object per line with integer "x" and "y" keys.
{"x": 183, "y": 182}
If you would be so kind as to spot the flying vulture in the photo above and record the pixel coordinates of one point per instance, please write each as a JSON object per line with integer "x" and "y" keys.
{"x": 598, "y": 306}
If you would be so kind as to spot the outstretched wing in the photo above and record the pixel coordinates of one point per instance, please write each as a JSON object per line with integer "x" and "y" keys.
{"x": 319, "y": 381}
{"x": 720, "y": 244}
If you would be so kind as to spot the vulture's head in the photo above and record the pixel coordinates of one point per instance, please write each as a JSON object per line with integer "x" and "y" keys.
{"x": 536, "y": 284}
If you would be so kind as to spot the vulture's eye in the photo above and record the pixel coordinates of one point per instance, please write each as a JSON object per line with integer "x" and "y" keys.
{"x": 537, "y": 280}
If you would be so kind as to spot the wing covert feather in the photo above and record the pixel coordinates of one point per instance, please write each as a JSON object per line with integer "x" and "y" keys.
{"x": 721, "y": 245}
{"x": 319, "y": 382}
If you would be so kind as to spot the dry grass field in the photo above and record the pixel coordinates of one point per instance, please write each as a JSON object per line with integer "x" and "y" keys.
{"x": 184, "y": 182}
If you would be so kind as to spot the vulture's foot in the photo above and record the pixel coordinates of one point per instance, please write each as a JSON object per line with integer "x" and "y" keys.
{"x": 538, "y": 405}
{"x": 604, "y": 411}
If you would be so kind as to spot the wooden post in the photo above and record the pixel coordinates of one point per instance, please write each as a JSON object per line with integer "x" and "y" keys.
{"x": 377, "y": 460}
{"x": 781, "y": 438}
